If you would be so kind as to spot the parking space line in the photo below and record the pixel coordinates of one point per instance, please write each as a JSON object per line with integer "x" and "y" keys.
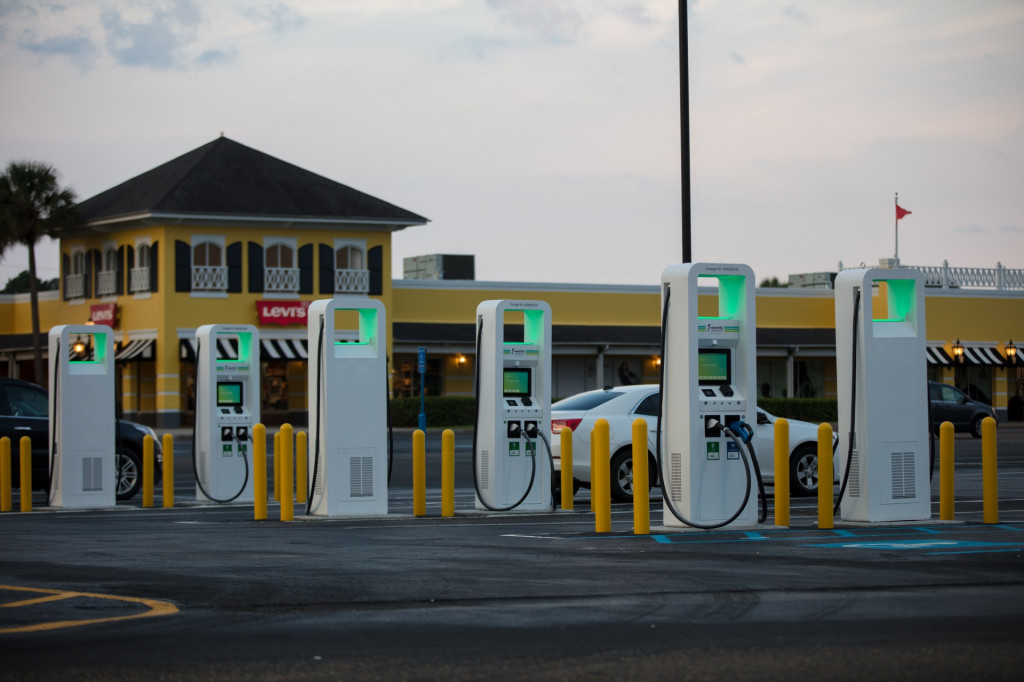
{"x": 156, "y": 608}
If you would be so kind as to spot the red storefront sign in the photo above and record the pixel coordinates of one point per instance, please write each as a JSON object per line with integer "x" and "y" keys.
{"x": 104, "y": 313}
{"x": 282, "y": 313}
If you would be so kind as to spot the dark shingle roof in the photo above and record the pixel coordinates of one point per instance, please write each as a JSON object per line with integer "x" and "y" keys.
{"x": 226, "y": 178}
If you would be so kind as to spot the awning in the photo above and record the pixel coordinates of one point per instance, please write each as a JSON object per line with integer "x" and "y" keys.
{"x": 983, "y": 355}
{"x": 270, "y": 349}
{"x": 283, "y": 349}
{"x": 937, "y": 356}
{"x": 136, "y": 349}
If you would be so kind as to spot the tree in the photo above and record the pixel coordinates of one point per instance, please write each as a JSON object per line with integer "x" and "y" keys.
{"x": 772, "y": 283}
{"x": 32, "y": 206}
{"x": 19, "y": 284}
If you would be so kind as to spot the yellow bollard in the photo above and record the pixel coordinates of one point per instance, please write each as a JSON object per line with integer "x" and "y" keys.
{"x": 946, "y": 486}
{"x": 989, "y": 473}
{"x": 641, "y": 480}
{"x": 593, "y": 499}
{"x": 259, "y": 471}
{"x": 148, "y": 470}
{"x": 566, "y": 473}
{"x": 419, "y": 473}
{"x": 782, "y": 473}
{"x": 277, "y": 466}
{"x": 167, "y": 480}
{"x": 287, "y": 492}
{"x": 25, "y": 461}
{"x": 600, "y": 478}
{"x": 825, "y": 476}
{"x": 301, "y": 467}
{"x": 5, "y": 474}
{"x": 447, "y": 473}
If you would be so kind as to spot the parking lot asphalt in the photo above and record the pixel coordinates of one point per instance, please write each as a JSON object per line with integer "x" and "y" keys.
{"x": 206, "y": 592}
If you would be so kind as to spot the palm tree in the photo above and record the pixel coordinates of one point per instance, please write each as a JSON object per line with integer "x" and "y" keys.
{"x": 33, "y": 205}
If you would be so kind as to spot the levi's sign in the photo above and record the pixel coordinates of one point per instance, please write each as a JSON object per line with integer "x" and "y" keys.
{"x": 103, "y": 313}
{"x": 282, "y": 312}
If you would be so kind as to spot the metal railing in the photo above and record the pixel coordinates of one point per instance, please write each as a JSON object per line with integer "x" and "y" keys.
{"x": 351, "y": 281}
{"x": 209, "y": 278}
{"x": 138, "y": 279}
{"x": 281, "y": 280}
{"x": 1000, "y": 277}
{"x": 74, "y": 286}
{"x": 106, "y": 283}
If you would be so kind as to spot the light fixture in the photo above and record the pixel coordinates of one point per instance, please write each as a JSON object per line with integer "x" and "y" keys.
{"x": 958, "y": 352}
{"x": 79, "y": 346}
{"x": 460, "y": 358}
{"x": 657, "y": 361}
{"x": 1011, "y": 353}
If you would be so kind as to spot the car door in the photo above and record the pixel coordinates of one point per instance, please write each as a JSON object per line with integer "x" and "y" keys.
{"x": 950, "y": 406}
{"x": 24, "y": 413}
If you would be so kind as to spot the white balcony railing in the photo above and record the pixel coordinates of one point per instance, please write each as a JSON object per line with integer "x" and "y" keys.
{"x": 1000, "y": 277}
{"x": 351, "y": 281}
{"x": 106, "y": 283}
{"x": 209, "y": 278}
{"x": 281, "y": 280}
{"x": 138, "y": 280}
{"x": 74, "y": 286}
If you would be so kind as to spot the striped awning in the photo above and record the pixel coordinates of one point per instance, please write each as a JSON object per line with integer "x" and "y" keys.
{"x": 270, "y": 349}
{"x": 283, "y": 349}
{"x": 937, "y": 356}
{"x": 136, "y": 349}
{"x": 982, "y": 355}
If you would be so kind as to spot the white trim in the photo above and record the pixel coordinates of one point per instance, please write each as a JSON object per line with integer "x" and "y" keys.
{"x": 155, "y": 217}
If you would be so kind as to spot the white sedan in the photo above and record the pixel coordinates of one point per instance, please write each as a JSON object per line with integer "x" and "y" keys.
{"x": 621, "y": 405}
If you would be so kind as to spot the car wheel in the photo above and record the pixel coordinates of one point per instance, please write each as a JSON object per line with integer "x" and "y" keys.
{"x": 976, "y": 426}
{"x": 803, "y": 468}
{"x": 129, "y": 474}
{"x": 622, "y": 476}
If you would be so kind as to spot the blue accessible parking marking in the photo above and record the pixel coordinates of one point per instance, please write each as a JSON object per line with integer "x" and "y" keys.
{"x": 921, "y": 544}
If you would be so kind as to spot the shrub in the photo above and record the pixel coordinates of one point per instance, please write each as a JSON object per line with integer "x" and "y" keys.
{"x": 814, "y": 410}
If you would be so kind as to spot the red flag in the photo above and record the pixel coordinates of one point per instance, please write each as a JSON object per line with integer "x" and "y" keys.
{"x": 900, "y": 212}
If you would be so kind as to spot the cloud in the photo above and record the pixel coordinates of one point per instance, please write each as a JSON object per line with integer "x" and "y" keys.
{"x": 280, "y": 17}
{"x": 971, "y": 229}
{"x": 78, "y": 47}
{"x": 216, "y": 57}
{"x": 796, "y": 14}
{"x": 1012, "y": 229}
{"x": 738, "y": 58}
{"x": 554, "y": 21}
{"x": 156, "y": 43}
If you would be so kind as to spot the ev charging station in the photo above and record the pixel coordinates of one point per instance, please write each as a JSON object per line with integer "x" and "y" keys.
{"x": 348, "y": 457}
{"x": 227, "y": 407}
{"x": 513, "y": 397}
{"x": 82, "y": 420}
{"x": 708, "y": 381}
{"x": 883, "y": 395}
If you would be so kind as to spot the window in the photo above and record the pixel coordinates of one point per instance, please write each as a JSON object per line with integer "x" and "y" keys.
{"x": 208, "y": 270}
{"x": 106, "y": 278}
{"x": 140, "y": 272}
{"x": 280, "y": 275}
{"x": 74, "y": 286}
{"x": 350, "y": 273}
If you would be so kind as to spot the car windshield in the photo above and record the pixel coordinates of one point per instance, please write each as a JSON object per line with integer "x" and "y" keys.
{"x": 585, "y": 401}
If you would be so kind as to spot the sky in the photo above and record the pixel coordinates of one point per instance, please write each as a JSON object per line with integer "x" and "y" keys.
{"x": 543, "y": 136}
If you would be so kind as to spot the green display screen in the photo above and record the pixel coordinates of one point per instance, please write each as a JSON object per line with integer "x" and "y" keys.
{"x": 516, "y": 382}
{"x": 229, "y": 393}
{"x": 713, "y": 367}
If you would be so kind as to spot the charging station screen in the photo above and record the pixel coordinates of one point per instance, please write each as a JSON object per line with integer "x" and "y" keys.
{"x": 229, "y": 393}
{"x": 713, "y": 367}
{"x": 516, "y": 382}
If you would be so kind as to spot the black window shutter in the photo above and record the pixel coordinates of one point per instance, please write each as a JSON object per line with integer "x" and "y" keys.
{"x": 255, "y": 268}
{"x": 129, "y": 255}
{"x": 120, "y": 270}
{"x": 182, "y": 266}
{"x": 87, "y": 279}
{"x": 375, "y": 264}
{"x": 235, "y": 268}
{"x": 306, "y": 269}
{"x": 154, "y": 263}
{"x": 326, "y": 269}
{"x": 65, "y": 269}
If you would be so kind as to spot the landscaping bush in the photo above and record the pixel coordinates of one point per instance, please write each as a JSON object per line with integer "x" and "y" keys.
{"x": 814, "y": 410}
{"x": 442, "y": 411}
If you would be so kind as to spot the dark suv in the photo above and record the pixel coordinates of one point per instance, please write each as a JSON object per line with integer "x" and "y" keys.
{"x": 950, "y": 404}
{"x": 24, "y": 410}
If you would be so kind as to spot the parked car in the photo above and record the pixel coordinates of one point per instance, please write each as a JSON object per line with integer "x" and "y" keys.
{"x": 950, "y": 404}
{"x": 621, "y": 405}
{"x": 24, "y": 411}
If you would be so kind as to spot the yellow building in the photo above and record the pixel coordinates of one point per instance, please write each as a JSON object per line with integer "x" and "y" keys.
{"x": 227, "y": 234}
